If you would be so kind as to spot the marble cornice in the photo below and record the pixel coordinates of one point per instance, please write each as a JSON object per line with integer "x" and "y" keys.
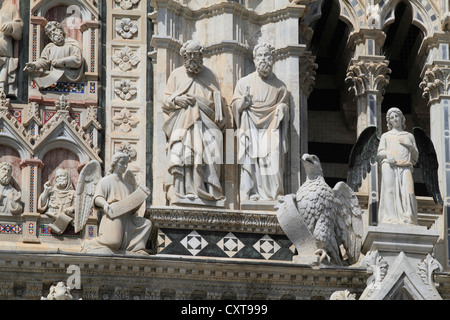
{"x": 290, "y": 12}
{"x": 131, "y": 270}
{"x": 214, "y": 219}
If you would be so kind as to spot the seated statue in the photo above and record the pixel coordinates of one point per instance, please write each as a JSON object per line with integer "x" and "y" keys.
{"x": 10, "y": 198}
{"x": 61, "y": 59}
{"x": 119, "y": 197}
{"x": 58, "y": 201}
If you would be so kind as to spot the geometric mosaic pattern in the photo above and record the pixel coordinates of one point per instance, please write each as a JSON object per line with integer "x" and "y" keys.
{"x": 266, "y": 246}
{"x": 45, "y": 230}
{"x": 194, "y": 243}
{"x": 230, "y": 244}
{"x": 10, "y": 228}
{"x": 237, "y": 245}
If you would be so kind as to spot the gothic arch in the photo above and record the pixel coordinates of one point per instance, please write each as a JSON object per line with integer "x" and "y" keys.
{"x": 424, "y": 15}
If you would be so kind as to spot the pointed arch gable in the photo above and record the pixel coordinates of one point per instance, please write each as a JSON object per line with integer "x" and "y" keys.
{"x": 63, "y": 134}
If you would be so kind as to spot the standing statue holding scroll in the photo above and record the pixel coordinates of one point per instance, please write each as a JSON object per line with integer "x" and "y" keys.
{"x": 261, "y": 111}
{"x": 117, "y": 195}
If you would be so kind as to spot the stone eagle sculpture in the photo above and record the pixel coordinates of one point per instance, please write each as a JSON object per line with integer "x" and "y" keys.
{"x": 364, "y": 154}
{"x": 324, "y": 224}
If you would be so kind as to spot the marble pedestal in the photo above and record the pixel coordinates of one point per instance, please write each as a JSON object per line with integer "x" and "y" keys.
{"x": 401, "y": 262}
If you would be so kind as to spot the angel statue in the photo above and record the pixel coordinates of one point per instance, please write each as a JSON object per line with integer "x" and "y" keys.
{"x": 324, "y": 224}
{"x": 399, "y": 152}
{"x": 119, "y": 197}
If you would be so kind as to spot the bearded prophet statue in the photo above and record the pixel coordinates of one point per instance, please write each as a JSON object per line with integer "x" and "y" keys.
{"x": 261, "y": 110}
{"x": 193, "y": 127}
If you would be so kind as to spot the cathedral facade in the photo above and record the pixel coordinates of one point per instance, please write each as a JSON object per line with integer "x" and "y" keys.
{"x": 146, "y": 146}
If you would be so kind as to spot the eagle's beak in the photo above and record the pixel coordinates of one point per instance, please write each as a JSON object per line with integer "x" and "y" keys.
{"x": 307, "y": 158}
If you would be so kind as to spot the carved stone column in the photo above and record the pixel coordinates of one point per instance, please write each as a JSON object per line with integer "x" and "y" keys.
{"x": 31, "y": 168}
{"x": 367, "y": 76}
{"x": 436, "y": 87}
{"x": 126, "y": 107}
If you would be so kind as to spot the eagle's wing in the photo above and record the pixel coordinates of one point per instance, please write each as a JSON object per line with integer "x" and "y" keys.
{"x": 428, "y": 163}
{"x": 87, "y": 181}
{"x": 348, "y": 224}
{"x": 362, "y": 156}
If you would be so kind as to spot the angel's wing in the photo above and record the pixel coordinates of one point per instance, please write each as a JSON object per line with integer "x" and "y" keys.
{"x": 428, "y": 163}
{"x": 348, "y": 226}
{"x": 362, "y": 156}
{"x": 88, "y": 179}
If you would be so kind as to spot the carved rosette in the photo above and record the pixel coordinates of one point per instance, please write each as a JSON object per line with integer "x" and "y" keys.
{"x": 435, "y": 81}
{"x": 368, "y": 76}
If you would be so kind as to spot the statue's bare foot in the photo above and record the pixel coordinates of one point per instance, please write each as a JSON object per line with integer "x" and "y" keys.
{"x": 254, "y": 197}
{"x": 191, "y": 196}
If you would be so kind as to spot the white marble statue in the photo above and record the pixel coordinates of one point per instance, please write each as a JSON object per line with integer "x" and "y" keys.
{"x": 318, "y": 219}
{"x": 61, "y": 59}
{"x": 261, "y": 110}
{"x": 59, "y": 292}
{"x": 193, "y": 127}
{"x": 11, "y": 26}
{"x": 10, "y": 198}
{"x": 58, "y": 202}
{"x": 398, "y": 152}
{"x": 119, "y": 197}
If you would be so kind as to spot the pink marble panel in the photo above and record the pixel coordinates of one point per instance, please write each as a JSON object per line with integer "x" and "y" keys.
{"x": 70, "y": 18}
{"x": 59, "y": 158}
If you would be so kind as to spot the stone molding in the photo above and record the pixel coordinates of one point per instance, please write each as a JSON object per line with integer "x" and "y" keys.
{"x": 154, "y": 276}
{"x": 211, "y": 219}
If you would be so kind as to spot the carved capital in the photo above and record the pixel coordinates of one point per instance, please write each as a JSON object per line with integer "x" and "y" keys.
{"x": 435, "y": 81}
{"x": 31, "y": 162}
{"x": 38, "y": 21}
{"x": 368, "y": 75}
{"x": 307, "y": 72}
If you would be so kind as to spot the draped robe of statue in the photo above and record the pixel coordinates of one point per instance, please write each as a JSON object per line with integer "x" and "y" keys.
{"x": 9, "y": 64}
{"x": 262, "y": 135}
{"x": 10, "y": 200}
{"x": 398, "y": 203}
{"x": 72, "y": 71}
{"x": 57, "y": 202}
{"x": 125, "y": 233}
{"x": 192, "y": 133}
